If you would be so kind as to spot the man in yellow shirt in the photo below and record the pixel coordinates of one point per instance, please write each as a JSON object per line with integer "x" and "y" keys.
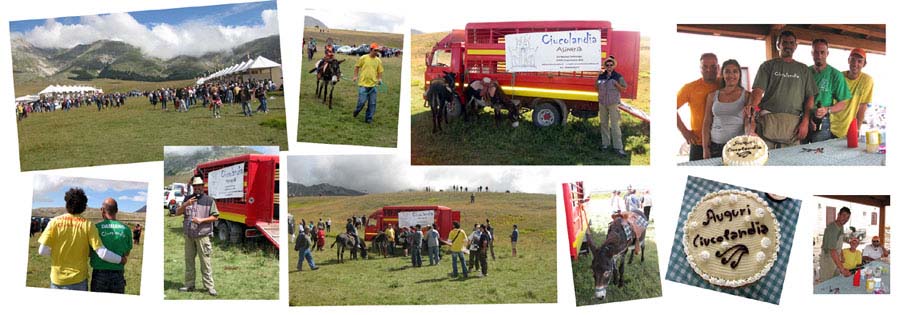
{"x": 67, "y": 239}
{"x": 391, "y": 239}
{"x": 860, "y": 85}
{"x": 852, "y": 257}
{"x": 456, "y": 239}
{"x": 694, "y": 94}
{"x": 368, "y": 75}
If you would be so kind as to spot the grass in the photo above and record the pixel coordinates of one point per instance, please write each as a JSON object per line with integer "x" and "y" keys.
{"x": 531, "y": 277}
{"x": 240, "y": 272}
{"x": 318, "y": 124}
{"x": 137, "y": 132}
{"x": 576, "y": 143}
{"x": 39, "y": 267}
{"x": 641, "y": 280}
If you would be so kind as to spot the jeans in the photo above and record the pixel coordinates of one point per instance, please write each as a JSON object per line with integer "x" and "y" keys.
{"x": 695, "y": 152}
{"x": 110, "y": 281}
{"x": 483, "y": 261}
{"x": 262, "y": 104}
{"x": 458, "y": 255}
{"x": 246, "y": 109}
{"x": 369, "y": 94}
{"x": 307, "y": 255}
{"x": 433, "y": 257}
{"x": 81, "y": 286}
{"x": 416, "y": 256}
{"x": 473, "y": 260}
{"x": 390, "y": 247}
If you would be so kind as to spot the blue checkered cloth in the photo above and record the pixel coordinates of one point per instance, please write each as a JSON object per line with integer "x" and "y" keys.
{"x": 767, "y": 289}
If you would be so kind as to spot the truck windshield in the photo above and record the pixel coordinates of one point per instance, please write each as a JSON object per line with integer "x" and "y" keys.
{"x": 372, "y": 222}
{"x": 441, "y": 58}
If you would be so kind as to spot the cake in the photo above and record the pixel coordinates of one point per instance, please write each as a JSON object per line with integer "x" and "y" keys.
{"x": 731, "y": 238}
{"x": 745, "y": 151}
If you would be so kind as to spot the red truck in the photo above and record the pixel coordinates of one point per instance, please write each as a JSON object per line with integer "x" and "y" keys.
{"x": 404, "y": 216}
{"x": 575, "y": 201}
{"x": 479, "y": 51}
{"x": 246, "y": 189}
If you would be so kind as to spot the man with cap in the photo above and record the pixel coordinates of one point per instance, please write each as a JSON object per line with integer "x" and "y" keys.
{"x": 694, "y": 95}
{"x": 117, "y": 237}
{"x": 609, "y": 85}
{"x": 199, "y": 214}
{"x": 833, "y": 92}
{"x": 784, "y": 91}
{"x": 860, "y": 85}
{"x": 875, "y": 251}
{"x": 368, "y": 75}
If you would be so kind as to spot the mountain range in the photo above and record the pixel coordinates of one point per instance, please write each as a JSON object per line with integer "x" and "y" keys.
{"x": 108, "y": 59}
{"x": 294, "y": 190}
{"x": 182, "y": 165}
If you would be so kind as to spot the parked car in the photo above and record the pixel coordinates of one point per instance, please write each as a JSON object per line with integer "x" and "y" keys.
{"x": 361, "y": 50}
{"x": 344, "y": 50}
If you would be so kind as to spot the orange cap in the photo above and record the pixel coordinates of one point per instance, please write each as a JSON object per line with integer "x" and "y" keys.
{"x": 858, "y": 51}
{"x": 375, "y": 46}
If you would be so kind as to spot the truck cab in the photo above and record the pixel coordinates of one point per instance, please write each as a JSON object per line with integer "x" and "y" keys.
{"x": 405, "y": 216}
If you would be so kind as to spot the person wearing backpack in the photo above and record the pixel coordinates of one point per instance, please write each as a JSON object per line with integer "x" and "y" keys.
{"x": 456, "y": 239}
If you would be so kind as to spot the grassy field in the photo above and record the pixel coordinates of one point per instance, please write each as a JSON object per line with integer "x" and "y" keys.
{"x": 531, "y": 277}
{"x": 483, "y": 143}
{"x": 641, "y": 281}
{"x": 338, "y": 126}
{"x": 137, "y": 132}
{"x": 39, "y": 267}
{"x": 240, "y": 272}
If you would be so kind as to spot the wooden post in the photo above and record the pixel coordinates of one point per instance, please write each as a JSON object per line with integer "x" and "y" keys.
{"x": 882, "y": 225}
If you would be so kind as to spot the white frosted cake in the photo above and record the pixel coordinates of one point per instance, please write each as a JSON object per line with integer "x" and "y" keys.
{"x": 745, "y": 151}
{"x": 731, "y": 238}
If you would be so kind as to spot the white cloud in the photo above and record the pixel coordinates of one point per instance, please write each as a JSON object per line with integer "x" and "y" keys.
{"x": 140, "y": 197}
{"x": 360, "y": 21}
{"x": 193, "y": 38}
{"x": 48, "y": 184}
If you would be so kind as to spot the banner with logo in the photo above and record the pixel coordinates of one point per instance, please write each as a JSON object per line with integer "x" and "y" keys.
{"x": 554, "y": 51}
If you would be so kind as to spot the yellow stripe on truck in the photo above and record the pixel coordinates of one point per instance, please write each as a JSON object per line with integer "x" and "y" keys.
{"x": 494, "y": 52}
{"x": 235, "y": 217}
{"x": 574, "y": 95}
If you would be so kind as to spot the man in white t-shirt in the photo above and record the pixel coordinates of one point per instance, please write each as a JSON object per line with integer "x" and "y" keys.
{"x": 874, "y": 251}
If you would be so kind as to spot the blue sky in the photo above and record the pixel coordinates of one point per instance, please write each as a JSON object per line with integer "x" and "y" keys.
{"x": 49, "y": 191}
{"x": 226, "y": 14}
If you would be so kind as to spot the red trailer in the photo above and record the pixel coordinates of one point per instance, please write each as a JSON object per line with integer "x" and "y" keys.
{"x": 575, "y": 201}
{"x": 404, "y": 216}
{"x": 479, "y": 51}
{"x": 246, "y": 191}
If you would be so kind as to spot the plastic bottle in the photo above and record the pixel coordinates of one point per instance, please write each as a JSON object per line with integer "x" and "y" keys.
{"x": 853, "y": 134}
{"x": 857, "y": 277}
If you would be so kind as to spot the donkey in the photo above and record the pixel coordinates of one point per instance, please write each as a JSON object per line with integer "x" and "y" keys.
{"x": 626, "y": 230}
{"x": 346, "y": 242}
{"x": 379, "y": 244}
{"x": 487, "y": 92}
{"x": 328, "y": 74}
{"x": 440, "y": 93}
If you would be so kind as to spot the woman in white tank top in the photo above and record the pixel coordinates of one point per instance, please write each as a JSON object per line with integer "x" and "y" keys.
{"x": 724, "y": 111}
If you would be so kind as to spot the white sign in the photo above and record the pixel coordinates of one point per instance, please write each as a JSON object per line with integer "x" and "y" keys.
{"x": 411, "y": 218}
{"x": 226, "y": 182}
{"x": 554, "y": 51}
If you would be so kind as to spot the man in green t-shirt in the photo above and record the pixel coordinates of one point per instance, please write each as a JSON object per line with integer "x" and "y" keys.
{"x": 117, "y": 237}
{"x": 831, "y": 263}
{"x": 833, "y": 92}
{"x": 784, "y": 90}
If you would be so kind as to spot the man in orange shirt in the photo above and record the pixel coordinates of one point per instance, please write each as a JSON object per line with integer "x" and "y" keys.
{"x": 694, "y": 94}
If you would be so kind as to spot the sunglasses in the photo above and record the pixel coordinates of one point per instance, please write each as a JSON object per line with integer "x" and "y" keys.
{"x": 609, "y": 65}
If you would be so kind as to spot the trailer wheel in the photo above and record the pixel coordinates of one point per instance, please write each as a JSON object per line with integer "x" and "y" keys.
{"x": 546, "y": 115}
{"x": 223, "y": 231}
{"x": 236, "y": 232}
{"x": 454, "y": 109}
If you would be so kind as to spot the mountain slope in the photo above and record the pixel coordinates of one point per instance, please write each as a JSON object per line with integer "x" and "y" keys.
{"x": 294, "y": 189}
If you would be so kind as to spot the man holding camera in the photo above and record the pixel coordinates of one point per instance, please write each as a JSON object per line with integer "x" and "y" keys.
{"x": 199, "y": 214}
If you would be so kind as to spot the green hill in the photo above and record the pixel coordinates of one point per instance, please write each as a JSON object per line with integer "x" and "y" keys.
{"x": 178, "y": 167}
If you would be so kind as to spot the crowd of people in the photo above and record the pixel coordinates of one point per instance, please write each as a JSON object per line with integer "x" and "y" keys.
{"x": 835, "y": 260}
{"x": 631, "y": 200}
{"x": 74, "y": 243}
{"x": 214, "y": 95}
{"x": 478, "y": 244}
{"x": 211, "y": 95}
{"x": 790, "y": 103}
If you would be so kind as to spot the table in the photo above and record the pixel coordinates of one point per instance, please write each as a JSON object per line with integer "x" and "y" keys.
{"x": 844, "y": 285}
{"x": 835, "y": 153}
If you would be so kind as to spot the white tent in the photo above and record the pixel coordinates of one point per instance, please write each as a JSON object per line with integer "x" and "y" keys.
{"x": 263, "y": 63}
{"x": 51, "y": 89}
{"x": 27, "y": 98}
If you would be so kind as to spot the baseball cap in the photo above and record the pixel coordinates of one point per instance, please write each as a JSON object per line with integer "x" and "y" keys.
{"x": 858, "y": 51}
{"x": 375, "y": 46}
